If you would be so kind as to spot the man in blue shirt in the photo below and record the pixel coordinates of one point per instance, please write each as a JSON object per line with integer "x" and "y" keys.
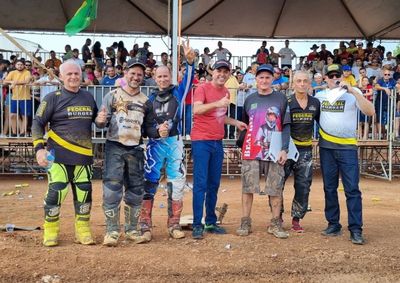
{"x": 111, "y": 76}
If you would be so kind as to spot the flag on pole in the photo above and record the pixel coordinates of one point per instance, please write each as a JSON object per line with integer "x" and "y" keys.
{"x": 82, "y": 18}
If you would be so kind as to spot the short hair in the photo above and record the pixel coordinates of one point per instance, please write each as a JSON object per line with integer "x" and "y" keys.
{"x": 298, "y": 73}
{"x": 70, "y": 62}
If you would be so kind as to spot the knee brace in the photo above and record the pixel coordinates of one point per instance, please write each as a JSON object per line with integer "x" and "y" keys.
{"x": 112, "y": 193}
{"x": 82, "y": 197}
{"x": 150, "y": 190}
{"x": 55, "y": 196}
{"x": 176, "y": 186}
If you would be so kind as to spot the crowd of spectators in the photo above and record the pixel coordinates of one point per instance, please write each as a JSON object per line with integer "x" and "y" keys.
{"x": 372, "y": 69}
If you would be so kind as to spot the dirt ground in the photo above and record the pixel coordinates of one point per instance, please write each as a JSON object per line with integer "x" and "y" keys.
{"x": 260, "y": 257}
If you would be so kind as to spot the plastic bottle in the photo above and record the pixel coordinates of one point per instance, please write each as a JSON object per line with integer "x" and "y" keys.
{"x": 50, "y": 158}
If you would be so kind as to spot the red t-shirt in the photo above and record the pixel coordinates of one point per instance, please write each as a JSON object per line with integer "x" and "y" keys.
{"x": 210, "y": 125}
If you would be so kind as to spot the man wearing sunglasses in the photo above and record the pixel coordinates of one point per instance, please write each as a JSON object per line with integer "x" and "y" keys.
{"x": 338, "y": 152}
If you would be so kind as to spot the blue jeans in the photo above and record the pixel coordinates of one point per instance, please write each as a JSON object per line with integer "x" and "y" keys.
{"x": 302, "y": 173}
{"x": 345, "y": 162}
{"x": 123, "y": 169}
{"x": 207, "y": 168}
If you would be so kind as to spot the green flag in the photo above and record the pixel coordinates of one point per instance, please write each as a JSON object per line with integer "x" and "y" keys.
{"x": 82, "y": 18}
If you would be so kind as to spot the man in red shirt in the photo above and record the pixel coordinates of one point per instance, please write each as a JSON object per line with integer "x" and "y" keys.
{"x": 210, "y": 104}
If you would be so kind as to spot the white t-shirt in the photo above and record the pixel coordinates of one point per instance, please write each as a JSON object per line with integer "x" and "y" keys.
{"x": 340, "y": 119}
{"x": 47, "y": 88}
{"x": 222, "y": 54}
{"x": 286, "y": 56}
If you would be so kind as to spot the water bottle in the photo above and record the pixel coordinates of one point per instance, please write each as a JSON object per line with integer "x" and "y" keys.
{"x": 50, "y": 158}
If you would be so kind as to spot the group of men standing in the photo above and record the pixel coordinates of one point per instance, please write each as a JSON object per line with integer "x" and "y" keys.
{"x": 132, "y": 174}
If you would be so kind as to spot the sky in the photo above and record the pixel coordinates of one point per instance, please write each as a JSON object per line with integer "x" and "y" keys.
{"x": 238, "y": 47}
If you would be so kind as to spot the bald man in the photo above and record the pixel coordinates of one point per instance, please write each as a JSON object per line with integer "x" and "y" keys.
{"x": 167, "y": 150}
{"x": 70, "y": 112}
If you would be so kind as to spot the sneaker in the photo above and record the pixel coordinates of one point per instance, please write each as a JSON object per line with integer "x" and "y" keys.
{"x": 276, "y": 229}
{"x": 197, "y": 232}
{"x": 309, "y": 208}
{"x": 111, "y": 239}
{"x": 135, "y": 236}
{"x": 296, "y": 226}
{"x": 357, "y": 238}
{"x": 245, "y": 227}
{"x": 214, "y": 229}
{"x": 332, "y": 231}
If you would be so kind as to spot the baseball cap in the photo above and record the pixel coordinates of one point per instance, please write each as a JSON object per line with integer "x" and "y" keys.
{"x": 135, "y": 62}
{"x": 265, "y": 68}
{"x": 360, "y": 44}
{"x": 334, "y": 68}
{"x": 222, "y": 64}
{"x": 346, "y": 68}
{"x": 147, "y": 43}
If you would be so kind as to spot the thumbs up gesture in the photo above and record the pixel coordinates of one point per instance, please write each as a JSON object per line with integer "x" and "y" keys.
{"x": 102, "y": 115}
{"x": 224, "y": 102}
{"x": 163, "y": 129}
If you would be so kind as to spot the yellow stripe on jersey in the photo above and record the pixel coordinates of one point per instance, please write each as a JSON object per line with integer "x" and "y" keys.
{"x": 38, "y": 141}
{"x": 302, "y": 143}
{"x": 337, "y": 140}
{"x": 69, "y": 146}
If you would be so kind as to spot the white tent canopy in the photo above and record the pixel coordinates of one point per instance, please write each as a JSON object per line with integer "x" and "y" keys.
{"x": 370, "y": 19}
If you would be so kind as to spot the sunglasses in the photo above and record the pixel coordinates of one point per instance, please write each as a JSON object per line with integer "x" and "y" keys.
{"x": 334, "y": 75}
{"x": 28, "y": 65}
{"x": 386, "y": 74}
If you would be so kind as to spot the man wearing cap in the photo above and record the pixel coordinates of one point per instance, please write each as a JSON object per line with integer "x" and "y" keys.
{"x": 338, "y": 152}
{"x": 267, "y": 114}
{"x": 210, "y": 104}
{"x": 348, "y": 76}
{"x": 128, "y": 115}
{"x": 312, "y": 55}
{"x": 280, "y": 82}
{"x": 168, "y": 104}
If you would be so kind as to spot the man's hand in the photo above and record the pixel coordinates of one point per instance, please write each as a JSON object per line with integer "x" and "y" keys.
{"x": 163, "y": 129}
{"x": 387, "y": 90}
{"x": 282, "y": 157}
{"x": 41, "y": 157}
{"x": 102, "y": 115}
{"x": 189, "y": 52}
{"x": 240, "y": 125}
{"x": 223, "y": 102}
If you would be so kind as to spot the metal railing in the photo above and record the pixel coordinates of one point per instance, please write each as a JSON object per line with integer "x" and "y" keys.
{"x": 386, "y": 135}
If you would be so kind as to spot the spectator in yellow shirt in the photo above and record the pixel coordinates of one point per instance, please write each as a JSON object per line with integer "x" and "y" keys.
{"x": 348, "y": 75}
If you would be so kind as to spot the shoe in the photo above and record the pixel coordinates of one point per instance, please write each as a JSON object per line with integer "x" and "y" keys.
{"x": 197, "y": 232}
{"x": 50, "y": 234}
{"x": 245, "y": 227}
{"x": 309, "y": 208}
{"x": 296, "y": 226}
{"x": 214, "y": 229}
{"x": 111, "y": 239}
{"x": 357, "y": 238}
{"x": 136, "y": 237}
{"x": 275, "y": 228}
{"x": 332, "y": 231}
{"x": 82, "y": 232}
{"x": 176, "y": 232}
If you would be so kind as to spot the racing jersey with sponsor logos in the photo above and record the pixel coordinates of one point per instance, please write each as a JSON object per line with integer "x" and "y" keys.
{"x": 302, "y": 121}
{"x": 338, "y": 121}
{"x": 70, "y": 116}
